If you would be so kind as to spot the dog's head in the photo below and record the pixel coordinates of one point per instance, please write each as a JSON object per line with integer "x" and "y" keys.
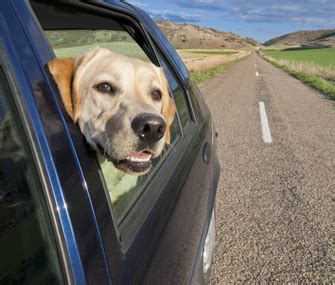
{"x": 122, "y": 105}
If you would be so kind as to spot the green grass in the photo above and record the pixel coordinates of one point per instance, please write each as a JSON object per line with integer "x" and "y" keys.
{"x": 316, "y": 82}
{"x": 206, "y": 74}
{"x": 324, "y": 57}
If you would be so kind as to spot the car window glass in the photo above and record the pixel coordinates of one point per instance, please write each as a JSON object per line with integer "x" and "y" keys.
{"x": 121, "y": 37}
{"x": 27, "y": 246}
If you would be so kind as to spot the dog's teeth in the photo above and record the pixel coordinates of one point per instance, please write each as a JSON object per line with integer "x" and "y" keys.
{"x": 137, "y": 159}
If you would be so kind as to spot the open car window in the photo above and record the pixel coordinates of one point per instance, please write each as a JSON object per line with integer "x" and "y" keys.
{"x": 71, "y": 32}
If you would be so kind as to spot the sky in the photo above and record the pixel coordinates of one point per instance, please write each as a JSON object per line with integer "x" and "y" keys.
{"x": 258, "y": 19}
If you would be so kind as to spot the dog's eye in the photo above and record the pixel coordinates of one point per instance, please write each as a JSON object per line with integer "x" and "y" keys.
{"x": 105, "y": 88}
{"x": 156, "y": 94}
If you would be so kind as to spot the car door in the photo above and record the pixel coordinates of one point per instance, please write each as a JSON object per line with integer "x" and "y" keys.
{"x": 131, "y": 229}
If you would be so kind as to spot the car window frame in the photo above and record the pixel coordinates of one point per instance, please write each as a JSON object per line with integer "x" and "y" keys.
{"x": 191, "y": 129}
{"x": 140, "y": 29}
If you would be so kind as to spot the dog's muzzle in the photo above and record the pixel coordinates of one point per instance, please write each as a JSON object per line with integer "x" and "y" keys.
{"x": 150, "y": 129}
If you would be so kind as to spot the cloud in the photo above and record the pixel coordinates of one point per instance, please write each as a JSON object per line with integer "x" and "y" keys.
{"x": 304, "y": 12}
{"x": 137, "y": 3}
{"x": 168, "y": 15}
{"x": 199, "y": 4}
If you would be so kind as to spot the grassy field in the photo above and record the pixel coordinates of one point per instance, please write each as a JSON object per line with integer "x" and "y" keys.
{"x": 206, "y": 74}
{"x": 315, "y": 67}
{"x": 323, "y": 57}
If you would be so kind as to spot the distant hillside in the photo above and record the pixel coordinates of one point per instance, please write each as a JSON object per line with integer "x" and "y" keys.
{"x": 317, "y": 38}
{"x": 187, "y": 36}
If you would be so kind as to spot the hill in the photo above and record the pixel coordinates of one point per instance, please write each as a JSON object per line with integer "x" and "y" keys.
{"x": 316, "y": 38}
{"x": 187, "y": 36}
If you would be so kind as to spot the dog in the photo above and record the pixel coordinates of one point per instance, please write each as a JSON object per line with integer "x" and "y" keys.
{"x": 121, "y": 104}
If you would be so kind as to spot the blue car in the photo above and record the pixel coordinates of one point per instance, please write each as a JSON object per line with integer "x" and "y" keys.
{"x": 58, "y": 223}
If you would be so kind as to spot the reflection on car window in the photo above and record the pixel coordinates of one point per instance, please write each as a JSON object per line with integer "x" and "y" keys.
{"x": 27, "y": 246}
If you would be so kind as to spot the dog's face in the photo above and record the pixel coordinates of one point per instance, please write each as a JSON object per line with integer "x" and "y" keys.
{"x": 122, "y": 105}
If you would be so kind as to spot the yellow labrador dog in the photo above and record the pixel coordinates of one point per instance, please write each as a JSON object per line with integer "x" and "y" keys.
{"x": 122, "y": 105}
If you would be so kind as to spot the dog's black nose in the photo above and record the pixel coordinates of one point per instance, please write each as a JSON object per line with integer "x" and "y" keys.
{"x": 149, "y": 128}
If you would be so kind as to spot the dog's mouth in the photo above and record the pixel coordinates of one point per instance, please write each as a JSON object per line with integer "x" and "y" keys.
{"x": 137, "y": 163}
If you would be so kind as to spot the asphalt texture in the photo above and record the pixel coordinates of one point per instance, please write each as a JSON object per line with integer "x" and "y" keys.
{"x": 275, "y": 202}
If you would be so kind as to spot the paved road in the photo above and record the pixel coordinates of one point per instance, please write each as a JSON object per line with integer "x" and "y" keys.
{"x": 275, "y": 203}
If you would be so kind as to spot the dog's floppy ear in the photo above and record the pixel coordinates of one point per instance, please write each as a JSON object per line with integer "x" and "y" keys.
{"x": 62, "y": 70}
{"x": 169, "y": 108}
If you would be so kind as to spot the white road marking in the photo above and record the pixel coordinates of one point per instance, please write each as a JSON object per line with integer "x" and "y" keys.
{"x": 266, "y": 133}
{"x": 257, "y": 74}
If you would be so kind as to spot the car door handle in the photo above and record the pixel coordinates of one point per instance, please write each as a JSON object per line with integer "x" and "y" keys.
{"x": 207, "y": 153}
